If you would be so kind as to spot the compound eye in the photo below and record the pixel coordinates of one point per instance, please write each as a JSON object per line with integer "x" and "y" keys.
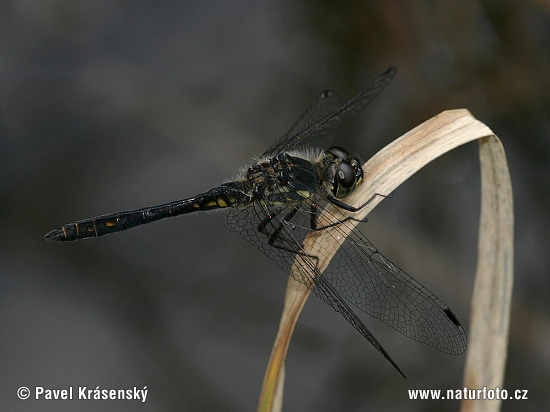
{"x": 345, "y": 173}
{"x": 337, "y": 151}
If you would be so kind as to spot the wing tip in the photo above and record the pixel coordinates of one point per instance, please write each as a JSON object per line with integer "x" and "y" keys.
{"x": 451, "y": 316}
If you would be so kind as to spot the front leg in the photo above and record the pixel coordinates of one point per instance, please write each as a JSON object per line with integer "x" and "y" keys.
{"x": 350, "y": 208}
{"x": 314, "y": 215}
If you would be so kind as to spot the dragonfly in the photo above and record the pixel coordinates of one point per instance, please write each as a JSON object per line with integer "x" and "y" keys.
{"x": 289, "y": 193}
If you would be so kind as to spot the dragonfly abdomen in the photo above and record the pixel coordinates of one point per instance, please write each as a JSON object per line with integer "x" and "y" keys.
{"x": 223, "y": 196}
{"x": 111, "y": 223}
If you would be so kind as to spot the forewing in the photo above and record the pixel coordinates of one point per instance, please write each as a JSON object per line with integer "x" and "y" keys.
{"x": 372, "y": 283}
{"x": 358, "y": 273}
{"x": 311, "y": 126}
{"x": 327, "y": 103}
{"x": 281, "y": 240}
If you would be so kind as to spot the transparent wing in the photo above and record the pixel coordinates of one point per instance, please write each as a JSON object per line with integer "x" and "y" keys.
{"x": 358, "y": 274}
{"x": 372, "y": 283}
{"x": 327, "y": 103}
{"x": 281, "y": 241}
{"x": 324, "y": 115}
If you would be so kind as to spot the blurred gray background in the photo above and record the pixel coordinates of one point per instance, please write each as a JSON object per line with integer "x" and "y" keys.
{"x": 113, "y": 105}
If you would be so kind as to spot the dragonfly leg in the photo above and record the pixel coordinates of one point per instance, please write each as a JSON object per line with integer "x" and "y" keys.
{"x": 276, "y": 235}
{"x": 315, "y": 228}
{"x": 350, "y": 208}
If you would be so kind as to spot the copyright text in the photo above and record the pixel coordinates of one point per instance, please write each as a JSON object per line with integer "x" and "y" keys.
{"x": 84, "y": 393}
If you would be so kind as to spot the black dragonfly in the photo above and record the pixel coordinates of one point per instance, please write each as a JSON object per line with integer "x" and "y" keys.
{"x": 290, "y": 192}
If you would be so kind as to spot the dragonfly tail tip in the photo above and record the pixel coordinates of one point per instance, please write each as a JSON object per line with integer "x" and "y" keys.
{"x": 55, "y": 235}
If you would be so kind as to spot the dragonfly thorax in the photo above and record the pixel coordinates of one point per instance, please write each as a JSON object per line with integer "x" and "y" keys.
{"x": 282, "y": 179}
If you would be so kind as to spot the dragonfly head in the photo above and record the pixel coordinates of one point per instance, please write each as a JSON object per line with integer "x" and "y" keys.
{"x": 347, "y": 172}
